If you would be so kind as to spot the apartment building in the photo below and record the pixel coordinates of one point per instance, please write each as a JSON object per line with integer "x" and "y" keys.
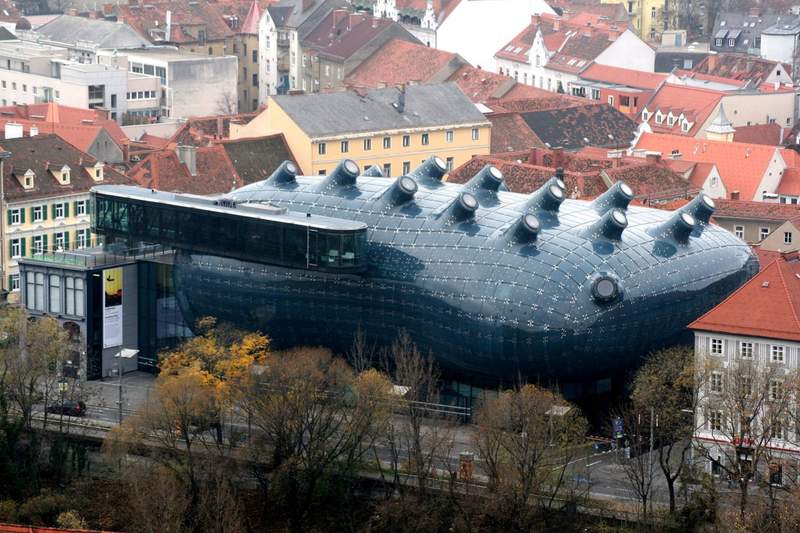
{"x": 46, "y": 184}
{"x": 392, "y": 128}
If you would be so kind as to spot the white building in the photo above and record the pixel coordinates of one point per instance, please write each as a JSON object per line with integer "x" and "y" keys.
{"x": 781, "y": 42}
{"x": 189, "y": 85}
{"x": 477, "y": 29}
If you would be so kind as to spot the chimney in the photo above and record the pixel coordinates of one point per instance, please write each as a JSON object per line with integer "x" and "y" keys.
{"x": 734, "y": 195}
{"x": 220, "y": 128}
{"x": 755, "y": 12}
{"x": 13, "y": 130}
{"x": 168, "y": 26}
{"x": 653, "y": 158}
{"x": 188, "y": 156}
{"x": 556, "y": 24}
{"x": 401, "y": 100}
{"x": 535, "y": 19}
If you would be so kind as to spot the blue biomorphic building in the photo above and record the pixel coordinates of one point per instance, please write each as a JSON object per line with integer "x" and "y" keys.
{"x": 498, "y": 286}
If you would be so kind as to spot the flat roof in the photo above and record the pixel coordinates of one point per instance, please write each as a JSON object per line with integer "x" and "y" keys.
{"x": 264, "y": 212}
{"x": 169, "y": 54}
{"x": 30, "y": 50}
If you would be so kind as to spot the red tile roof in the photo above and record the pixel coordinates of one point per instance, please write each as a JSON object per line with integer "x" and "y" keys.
{"x": 790, "y": 182}
{"x": 765, "y": 257}
{"x": 163, "y": 170}
{"x": 250, "y": 24}
{"x": 341, "y": 33}
{"x": 188, "y": 18}
{"x": 741, "y": 67}
{"x": 623, "y": 76}
{"x": 767, "y": 306}
{"x": 769, "y": 134}
{"x": 579, "y": 50}
{"x": 153, "y": 141}
{"x": 480, "y": 85}
{"x": 766, "y": 211}
{"x": 49, "y": 117}
{"x": 19, "y": 528}
{"x": 741, "y": 165}
{"x": 510, "y": 133}
{"x": 696, "y": 104}
{"x": 400, "y": 61}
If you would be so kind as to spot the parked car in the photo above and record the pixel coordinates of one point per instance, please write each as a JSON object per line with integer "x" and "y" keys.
{"x": 68, "y": 407}
{"x": 600, "y": 447}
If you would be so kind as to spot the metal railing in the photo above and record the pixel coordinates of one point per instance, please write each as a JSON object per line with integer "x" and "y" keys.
{"x": 97, "y": 254}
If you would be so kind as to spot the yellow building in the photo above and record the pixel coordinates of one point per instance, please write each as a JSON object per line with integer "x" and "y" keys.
{"x": 393, "y": 129}
{"x": 649, "y": 17}
{"x": 45, "y": 200}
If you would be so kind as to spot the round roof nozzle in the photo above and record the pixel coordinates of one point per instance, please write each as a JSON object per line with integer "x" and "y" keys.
{"x": 351, "y": 167}
{"x": 432, "y": 168}
{"x": 285, "y": 173}
{"x": 701, "y": 208}
{"x": 373, "y": 172}
{"x": 403, "y": 190}
{"x": 489, "y": 178}
{"x": 610, "y": 226}
{"x": 526, "y": 229}
{"x": 618, "y": 196}
{"x": 560, "y": 173}
{"x": 343, "y": 175}
{"x": 605, "y": 289}
{"x": 440, "y": 164}
{"x": 548, "y": 197}
{"x": 464, "y": 206}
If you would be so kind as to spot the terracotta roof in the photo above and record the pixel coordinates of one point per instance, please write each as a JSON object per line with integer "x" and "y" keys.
{"x": 623, "y": 76}
{"x": 790, "y": 182}
{"x": 572, "y": 128}
{"x": 742, "y": 67}
{"x": 767, "y": 306}
{"x": 250, "y": 24}
{"x": 540, "y": 102}
{"x": 19, "y": 528}
{"x": 522, "y": 91}
{"x": 749, "y": 210}
{"x": 52, "y": 116}
{"x": 202, "y": 131}
{"x": 652, "y": 182}
{"x": 44, "y": 153}
{"x": 400, "y": 61}
{"x": 769, "y": 134}
{"x": 480, "y": 85}
{"x": 510, "y": 133}
{"x": 741, "y": 166}
{"x": 696, "y": 104}
{"x": 342, "y": 33}
{"x": 255, "y": 158}
{"x": 765, "y": 257}
{"x": 188, "y": 18}
{"x": 153, "y": 141}
{"x": 579, "y": 50}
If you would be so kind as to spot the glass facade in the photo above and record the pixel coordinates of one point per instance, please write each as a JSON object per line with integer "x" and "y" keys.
{"x": 494, "y": 284}
{"x": 228, "y": 234}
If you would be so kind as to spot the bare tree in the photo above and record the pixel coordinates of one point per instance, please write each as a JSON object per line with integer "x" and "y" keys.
{"x": 747, "y": 409}
{"x": 526, "y": 439}
{"x": 228, "y": 103}
{"x": 639, "y": 464}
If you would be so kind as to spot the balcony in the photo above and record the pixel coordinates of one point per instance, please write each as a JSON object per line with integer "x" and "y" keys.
{"x": 283, "y": 42}
{"x": 97, "y": 255}
{"x": 283, "y": 63}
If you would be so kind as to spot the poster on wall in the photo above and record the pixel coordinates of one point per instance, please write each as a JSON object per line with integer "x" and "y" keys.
{"x": 112, "y": 307}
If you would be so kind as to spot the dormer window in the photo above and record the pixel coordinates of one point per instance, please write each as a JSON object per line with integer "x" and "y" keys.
{"x": 659, "y": 117}
{"x": 28, "y": 179}
{"x": 731, "y": 42}
{"x": 65, "y": 175}
{"x": 670, "y": 120}
{"x": 685, "y": 126}
{"x": 645, "y": 115}
{"x": 97, "y": 171}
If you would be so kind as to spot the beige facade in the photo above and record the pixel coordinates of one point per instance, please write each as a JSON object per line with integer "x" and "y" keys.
{"x": 395, "y": 151}
{"x": 785, "y": 238}
{"x": 750, "y": 230}
{"x": 245, "y": 47}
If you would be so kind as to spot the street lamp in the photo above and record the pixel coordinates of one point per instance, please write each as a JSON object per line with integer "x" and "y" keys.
{"x": 124, "y": 353}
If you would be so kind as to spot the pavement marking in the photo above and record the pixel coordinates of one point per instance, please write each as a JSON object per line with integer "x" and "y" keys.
{"x": 594, "y": 463}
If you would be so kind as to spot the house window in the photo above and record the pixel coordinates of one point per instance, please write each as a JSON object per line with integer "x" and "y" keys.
{"x": 58, "y": 211}
{"x": 425, "y": 139}
{"x": 746, "y": 350}
{"x": 611, "y": 101}
{"x": 716, "y": 346}
{"x": 716, "y": 382}
{"x": 739, "y": 231}
{"x": 387, "y": 143}
{"x": 406, "y": 141}
{"x": 387, "y": 169}
{"x": 763, "y": 233}
{"x": 82, "y": 238}
{"x": 684, "y": 126}
{"x": 34, "y": 291}
{"x": 476, "y": 134}
{"x": 345, "y": 146}
{"x": 60, "y": 241}
{"x": 322, "y": 172}
{"x": 255, "y": 56}
{"x": 659, "y": 117}
{"x": 776, "y": 473}
{"x": 367, "y": 144}
{"x": 448, "y": 136}
{"x": 55, "y": 294}
{"x": 74, "y": 296}
{"x": 652, "y": 12}
{"x": 38, "y": 213}
{"x": 595, "y": 94}
{"x": 321, "y": 148}
{"x": 746, "y": 386}
{"x": 15, "y": 217}
{"x": 715, "y": 420}
{"x": 13, "y": 282}
{"x": 80, "y": 208}
{"x": 625, "y": 101}
{"x": 449, "y": 164}
{"x": 731, "y": 42}
{"x": 38, "y": 244}
{"x": 787, "y": 237}
{"x": 718, "y": 42}
{"x": 255, "y": 80}
{"x": 16, "y": 248}
{"x": 406, "y": 167}
{"x": 777, "y": 353}
{"x": 645, "y": 116}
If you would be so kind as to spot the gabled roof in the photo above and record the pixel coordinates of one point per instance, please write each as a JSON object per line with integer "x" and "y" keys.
{"x": 480, "y": 85}
{"x": 328, "y": 114}
{"x": 342, "y": 34}
{"x": 255, "y": 158}
{"x": 694, "y": 103}
{"x": 767, "y": 306}
{"x": 741, "y": 67}
{"x": 759, "y": 211}
{"x": 250, "y": 24}
{"x": 579, "y": 50}
{"x": 44, "y": 153}
{"x": 399, "y": 61}
{"x": 188, "y": 17}
{"x": 106, "y": 35}
{"x": 575, "y": 127}
{"x": 741, "y": 166}
{"x": 623, "y": 76}
{"x": 769, "y": 134}
{"x": 510, "y": 133}
{"x": 790, "y": 183}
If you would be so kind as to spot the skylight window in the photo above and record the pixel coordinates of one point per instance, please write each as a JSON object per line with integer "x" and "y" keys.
{"x": 517, "y": 50}
{"x": 509, "y": 48}
{"x": 722, "y": 23}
